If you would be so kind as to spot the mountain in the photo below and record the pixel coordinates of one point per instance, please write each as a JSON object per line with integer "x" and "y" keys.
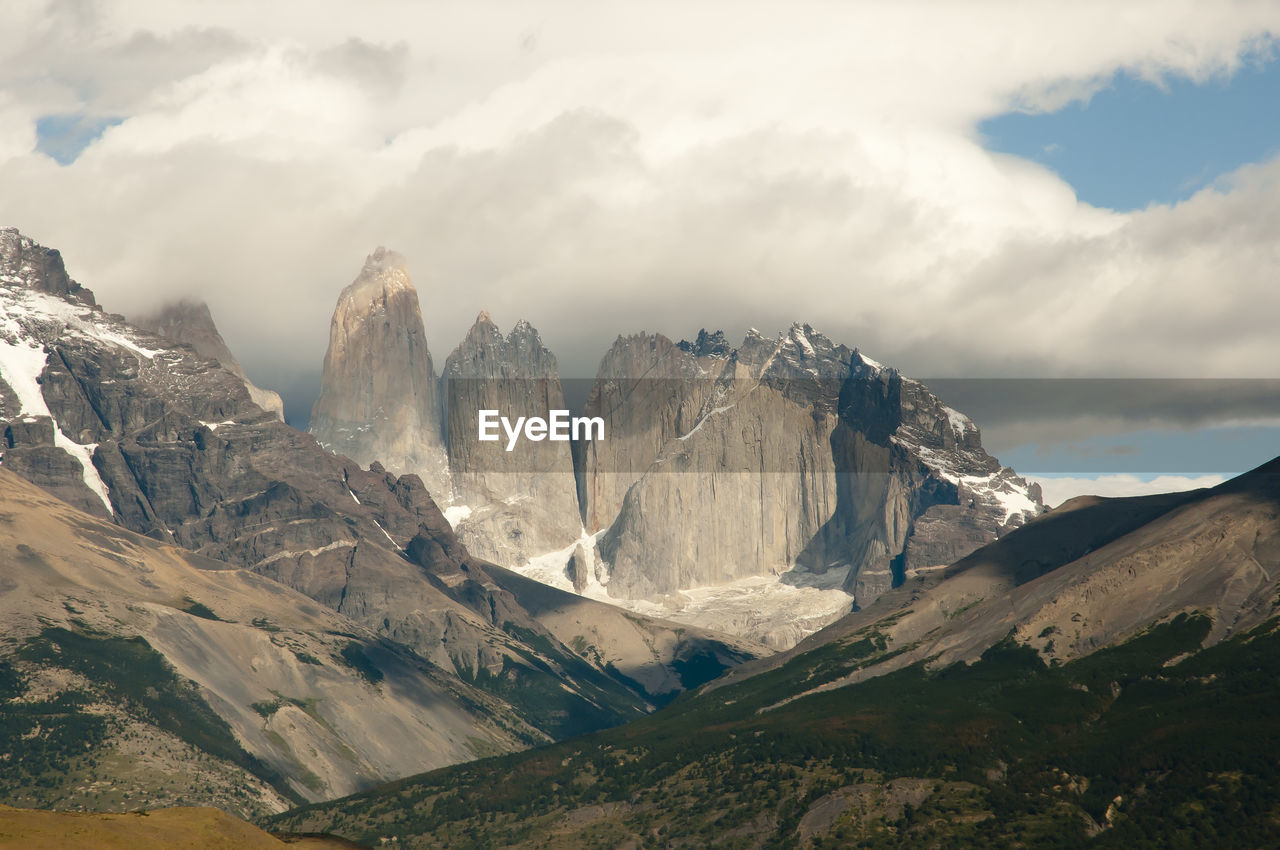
{"x": 191, "y": 323}
{"x": 133, "y": 427}
{"x": 762, "y": 490}
{"x": 379, "y": 399}
{"x": 1103, "y": 676}
{"x": 519, "y": 503}
{"x": 766, "y": 489}
{"x": 136, "y": 672}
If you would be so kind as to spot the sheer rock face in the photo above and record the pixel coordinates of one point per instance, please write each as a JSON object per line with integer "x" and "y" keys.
{"x": 802, "y": 454}
{"x": 379, "y": 398}
{"x": 522, "y": 502}
{"x": 648, "y": 391}
{"x": 748, "y": 481}
{"x": 191, "y": 323}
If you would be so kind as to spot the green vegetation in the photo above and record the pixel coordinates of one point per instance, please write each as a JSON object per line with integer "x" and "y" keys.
{"x": 267, "y": 707}
{"x": 42, "y": 740}
{"x": 199, "y": 609}
{"x": 1114, "y": 749}
{"x": 353, "y": 655}
{"x": 128, "y": 673}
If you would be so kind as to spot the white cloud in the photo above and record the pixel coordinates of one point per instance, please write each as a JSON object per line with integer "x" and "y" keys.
{"x": 604, "y": 167}
{"x": 1058, "y": 489}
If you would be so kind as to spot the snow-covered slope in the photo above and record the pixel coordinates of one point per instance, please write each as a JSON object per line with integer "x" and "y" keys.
{"x": 40, "y": 306}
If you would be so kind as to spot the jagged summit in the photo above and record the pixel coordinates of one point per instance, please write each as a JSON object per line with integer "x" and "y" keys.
{"x": 484, "y": 328}
{"x": 517, "y": 504}
{"x": 486, "y": 353}
{"x": 25, "y": 262}
{"x": 189, "y": 321}
{"x": 706, "y": 345}
{"x": 381, "y": 261}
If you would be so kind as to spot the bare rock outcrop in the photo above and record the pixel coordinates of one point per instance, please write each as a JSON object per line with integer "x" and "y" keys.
{"x": 522, "y": 502}
{"x": 191, "y": 323}
{"x": 748, "y": 483}
{"x": 649, "y": 391}
{"x": 379, "y": 397}
{"x": 803, "y": 454}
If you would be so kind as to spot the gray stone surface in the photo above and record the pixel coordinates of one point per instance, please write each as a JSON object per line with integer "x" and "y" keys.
{"x": 379, "y": 397}
{"x": 191, "y": 323}
{"x": 523, "y": 502}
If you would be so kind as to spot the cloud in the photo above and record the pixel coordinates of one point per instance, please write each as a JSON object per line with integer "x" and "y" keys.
{"x": 666, "y": 168}
{"x": 1057, "y": 490}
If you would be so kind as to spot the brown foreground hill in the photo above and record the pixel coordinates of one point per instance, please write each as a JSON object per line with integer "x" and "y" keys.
{"x": 171, "y": 829}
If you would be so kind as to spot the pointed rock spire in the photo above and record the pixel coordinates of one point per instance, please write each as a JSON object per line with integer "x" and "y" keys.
{"x": 378, "y": 399}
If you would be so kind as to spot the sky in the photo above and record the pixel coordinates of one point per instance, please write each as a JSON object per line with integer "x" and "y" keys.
{"x": 961, "y": 189}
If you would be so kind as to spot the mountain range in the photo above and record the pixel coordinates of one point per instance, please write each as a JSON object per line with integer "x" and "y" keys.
{"x": 762, "y": 490}
{"x": 1104, "y": 676}
{"x": 141, "y": 430}
{"x": 788, "y": 600}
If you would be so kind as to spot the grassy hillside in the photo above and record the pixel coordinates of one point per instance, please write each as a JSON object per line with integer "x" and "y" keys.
{"x": 96, "y": 721}
{"x": 1153, "y": 743}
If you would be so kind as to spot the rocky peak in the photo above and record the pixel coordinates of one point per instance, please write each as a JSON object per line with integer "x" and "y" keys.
{"x": 707, "y": 345}
{"x": 382, "y": 261}
{"x": 383, "y": 281}
{"x": 521, "y": 503}
{"x": 650, "y": 356}
{"x": 25, "y": 262}
{"x": 189, "y": 322}
{"x": 378, "y": 398}
{"x": 485, "y": 353}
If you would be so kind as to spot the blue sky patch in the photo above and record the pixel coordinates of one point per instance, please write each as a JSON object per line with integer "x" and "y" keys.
{"x": 1135, "y": 143}
{"x": 1148, "y": 453}
{"x": 64, "y": 137}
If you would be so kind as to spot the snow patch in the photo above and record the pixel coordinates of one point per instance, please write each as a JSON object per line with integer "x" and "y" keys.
{"x": 802, "y": 341}
{"x": 869, "y": 362}
{"x": 127, "y": 344}
{"x": 714, "y": 412}
{"x": 551, "y": 568}
{"x": 960, "y": 424}
{"x": 779, "y": 610}
{"x": 388, "y": 536}
{"x": 21, "y": 366}
{"x": 455, "y": 514}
